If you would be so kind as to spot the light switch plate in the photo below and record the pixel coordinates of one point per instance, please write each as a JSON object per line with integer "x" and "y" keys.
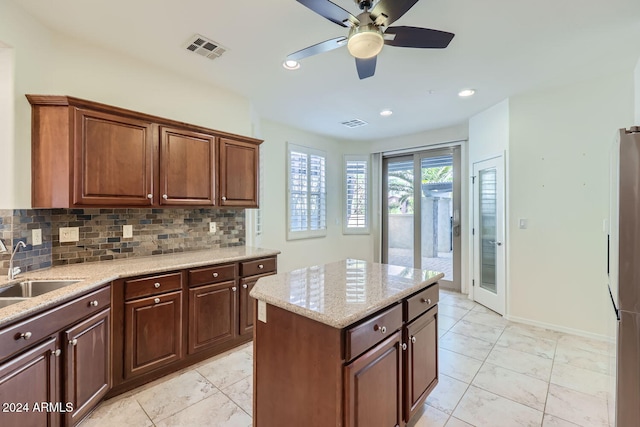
{"x": 213, "y": 227}
{"x": 523, "y": 223}
{"x": 36, "y": 237}
{"x": 69, "y": 234}
{"x": 127, "y": 231}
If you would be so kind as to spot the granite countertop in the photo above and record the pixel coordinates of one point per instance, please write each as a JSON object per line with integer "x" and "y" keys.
{"x": 341, "y": 293}
{"x": 96, "y": 274}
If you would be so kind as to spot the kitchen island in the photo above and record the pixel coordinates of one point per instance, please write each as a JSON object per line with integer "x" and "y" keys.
{"x": 350, "y": 343}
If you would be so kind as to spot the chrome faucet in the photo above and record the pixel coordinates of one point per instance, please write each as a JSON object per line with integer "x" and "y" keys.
{"x": 13, "y": 272}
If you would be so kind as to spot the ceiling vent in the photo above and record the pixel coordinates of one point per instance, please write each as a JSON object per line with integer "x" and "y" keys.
{"x": 354, "y": 123}
{"x": 205, "y": 47}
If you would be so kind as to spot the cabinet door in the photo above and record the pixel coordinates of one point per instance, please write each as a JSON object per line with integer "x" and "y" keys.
{"x": 113, "y": 160}
{"x": 31, "y": 378}
{"x": 238, "y": 173}
{"x": 187, "y": 171}
{"x": 422, "y": 360}
{"x": 87, "y": 362}
{"x": 212, "y": 315}
{"x": 373, "y": 386}
{"x": 246, "y": 305}
{"x": 153, "y": 333}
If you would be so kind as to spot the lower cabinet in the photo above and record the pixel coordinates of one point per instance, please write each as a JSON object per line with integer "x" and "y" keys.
{"x": 212, "y": 314}
{"x": 153, "y": 335}
{"x": 373, "y": 386}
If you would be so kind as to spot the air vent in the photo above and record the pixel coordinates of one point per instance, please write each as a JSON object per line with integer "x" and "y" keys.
{"x": 354, "y": 123}
{"x": 205, "y": 47}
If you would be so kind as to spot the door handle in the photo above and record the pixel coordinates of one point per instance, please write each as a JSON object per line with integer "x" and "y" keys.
{"x": 493, "y": 242}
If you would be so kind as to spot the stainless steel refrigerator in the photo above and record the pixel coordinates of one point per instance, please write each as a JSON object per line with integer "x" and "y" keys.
{"x": 624, "y": 273}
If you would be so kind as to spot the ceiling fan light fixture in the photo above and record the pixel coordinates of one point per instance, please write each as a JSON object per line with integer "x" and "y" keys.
{"x": 365, "y": 41}
{"x": 290, "y": 64}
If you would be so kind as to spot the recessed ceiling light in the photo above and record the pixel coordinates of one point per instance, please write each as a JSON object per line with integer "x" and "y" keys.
{"x": 466, "y": 93}
{"x": 386, "y": 113}
{"x": 290, "y": 64}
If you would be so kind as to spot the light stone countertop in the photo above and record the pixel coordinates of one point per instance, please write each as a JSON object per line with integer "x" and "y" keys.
{"x": 341, "y": 293}
{"x": 95, "y": 274}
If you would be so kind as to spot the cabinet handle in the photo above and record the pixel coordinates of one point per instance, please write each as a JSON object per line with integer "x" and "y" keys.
{"x": 215, "y": 274}
{"x": 413, "y": 340}
{"x": 164, "y": 196}
{"x": 57, "y": 353}
{"x": 156, "y": 285}
{"x": 25, "y": 335}
{"x": 382, "y": 329}
{"x": 244, "y": 286}
{"x": 149, "y": 196}
{"x": 93, "y": 303}
{"x": 224, "y": 199}
{"x": 260, "y": 266}
{"x": 404, "y": 346}
{"x": 74, "y": 342}
{"x": 157, "y": 300}
{"x": 234, "y": 289}
{"x": 428, "y": 300}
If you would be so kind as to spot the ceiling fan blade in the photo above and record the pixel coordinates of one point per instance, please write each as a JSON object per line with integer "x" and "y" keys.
{"x": 392, "y": 9}
{"x": 366, "y": 67}
{"x": 331, "y": 11}
{"x": 424, "y": 38}
{"x": 321, "y": 47}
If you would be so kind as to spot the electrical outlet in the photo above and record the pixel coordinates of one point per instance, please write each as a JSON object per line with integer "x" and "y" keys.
{"x": 127, "y": 231}
{"x": 36, "y": 237}
{"x": 69, "y": 234}
{"x": 213, "y": 227}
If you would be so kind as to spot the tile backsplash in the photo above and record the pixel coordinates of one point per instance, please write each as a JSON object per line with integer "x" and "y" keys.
{"x": 155, "y": 231}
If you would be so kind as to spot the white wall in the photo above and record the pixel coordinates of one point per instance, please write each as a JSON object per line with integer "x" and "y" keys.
{"x": 559, "y": 141}
{"x": 299, "y": 253}
{"x": 6, "y": 122}
{"x": 637, "y": 94}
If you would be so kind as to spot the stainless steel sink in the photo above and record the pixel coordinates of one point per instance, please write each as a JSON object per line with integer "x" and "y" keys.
{"x": 33, "y": 288}
{"x": 8, "y": 301}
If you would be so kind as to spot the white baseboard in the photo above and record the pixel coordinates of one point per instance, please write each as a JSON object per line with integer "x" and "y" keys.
{"x": 558, "y": 328}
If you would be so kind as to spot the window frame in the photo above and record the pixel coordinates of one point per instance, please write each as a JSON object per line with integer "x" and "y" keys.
{"x": 345, "y": 214}
{"x": 307, "y": 233}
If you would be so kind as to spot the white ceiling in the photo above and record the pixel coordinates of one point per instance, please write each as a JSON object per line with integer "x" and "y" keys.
{"x": 501, "y": 48}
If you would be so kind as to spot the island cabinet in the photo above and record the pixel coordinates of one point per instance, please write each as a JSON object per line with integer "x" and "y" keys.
{"x": 312, "y": 369}
{"x": 60, "y": 358}
{"x": 87, "y": 154}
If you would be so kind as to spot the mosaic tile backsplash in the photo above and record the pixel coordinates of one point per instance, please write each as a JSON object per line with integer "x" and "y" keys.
{"x": 155, "y": 231}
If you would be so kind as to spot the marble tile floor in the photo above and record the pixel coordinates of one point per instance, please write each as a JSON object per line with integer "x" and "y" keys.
{"x": 493, "y": 373}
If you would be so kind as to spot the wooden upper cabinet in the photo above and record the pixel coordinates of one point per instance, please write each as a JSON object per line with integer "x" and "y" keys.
{"x": 89, "y": 154}
{"x": 113, "y": 160}
{"x": 187, "y": 168}
{"x": 239, "y": 163}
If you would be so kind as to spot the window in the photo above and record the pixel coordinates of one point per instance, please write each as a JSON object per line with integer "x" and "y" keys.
{"x": 356, "y": 191}
{"x": 307, "y": 193}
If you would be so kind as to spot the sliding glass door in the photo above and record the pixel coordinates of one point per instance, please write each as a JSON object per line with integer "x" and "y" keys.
{"x": 423, "y": 234}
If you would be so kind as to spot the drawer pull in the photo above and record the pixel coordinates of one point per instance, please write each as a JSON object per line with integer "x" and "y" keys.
{"x": 57, "y": 353}
{"x": 157, "y": 300}
{"x": 74, "y": 342}
{"x": 382, "y": 329}
{"x": 26, "y": 335}
{"x": 413, "y": 340}
{"x": 428, "y": 300}
{"x": 234, "y": 289}
{"x": 215, "y": 274}
{"x": 244, "y": 286}
{"x": 260, "y": 266}
{"x": 156, "y": 285}
{"x": 93, "y": 303}
{"x": 404, "y": 346}
{"x": 224, "y": 199}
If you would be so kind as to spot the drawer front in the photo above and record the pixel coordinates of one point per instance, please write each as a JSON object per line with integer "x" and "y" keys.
{"x": 15, "y": 338}
{"x": 219, "y": 273}
{"x": 260, "y": 266}
{"x": 365, "y": 335}
{"x": 152, "y": 285}
{"x": 421, "y": 302}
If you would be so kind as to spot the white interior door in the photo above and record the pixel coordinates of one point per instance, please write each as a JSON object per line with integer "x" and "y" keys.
{"x": 488, "y": 234}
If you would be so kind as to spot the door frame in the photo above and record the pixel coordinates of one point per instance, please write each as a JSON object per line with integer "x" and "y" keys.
{"x": 501, "y": 252}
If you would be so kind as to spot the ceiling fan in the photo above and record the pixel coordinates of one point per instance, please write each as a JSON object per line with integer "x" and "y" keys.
{"x": 370, "y": 31}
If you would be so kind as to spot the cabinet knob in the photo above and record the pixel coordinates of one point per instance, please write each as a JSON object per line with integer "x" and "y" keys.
{"x": 157, "y": 300}
{"x": 57, "y": 353}
{"x": 428, "y": 300}
{"x": 156, "y": 285}
{"x": 164, "y": 196}
{"x": 234, "y": 289}
{"x": 74, "y": 342}
{"x": 260, "y": 266}
{"x": 149, "y": 196}
{"x": 93, "y": 303}
{"x": 25, "y": 335}
{"x": 413, "y": 340}
{"x": 245, "y": 286}
{"x": 382, "y": 329}
{"x": 404, "y": 346}
{"x": 224, "y": 199}
{"x": 215, "y": 274}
